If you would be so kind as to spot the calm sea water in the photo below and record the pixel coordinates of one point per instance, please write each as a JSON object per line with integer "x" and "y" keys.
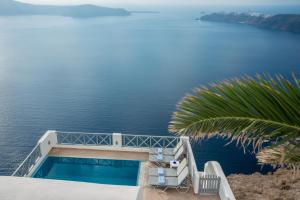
{"x": 124, "y": 74}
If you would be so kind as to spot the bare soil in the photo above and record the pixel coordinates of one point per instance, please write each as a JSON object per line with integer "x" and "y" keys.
{"x": 280, "y": 185}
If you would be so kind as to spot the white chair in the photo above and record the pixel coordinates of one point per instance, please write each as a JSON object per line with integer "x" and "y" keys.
{"x": 171, "y": 182}
{"x": 166, "y": 151}
{"x": 158, "y": 171}
{"x": 160, "y": 158}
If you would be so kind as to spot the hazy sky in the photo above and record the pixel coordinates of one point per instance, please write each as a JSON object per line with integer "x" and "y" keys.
{"x": 165, "y": 2}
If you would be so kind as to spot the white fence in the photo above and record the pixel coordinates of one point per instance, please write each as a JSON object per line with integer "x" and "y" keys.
{"x": 209, "y": 184}
{"x": 44, "y": 145}
{"x": 54, "y": 138}
{"x": 146, "y": 141}
{"x": 88, "y": 139}
{"x": 214, "y": 168}
{"x": 29, "y": 162}
{"x": 212, "y": 180}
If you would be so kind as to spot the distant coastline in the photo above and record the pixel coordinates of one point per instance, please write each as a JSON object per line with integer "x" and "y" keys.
{"x": 279, "y": 22}
{"x": 145, "y": 12}
{"x": 10, "y": 8}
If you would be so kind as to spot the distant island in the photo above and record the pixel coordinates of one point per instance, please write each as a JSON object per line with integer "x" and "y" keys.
{"x": 281, "y": 22}
{"x": 145, "y": 12}
{"x": 10, "y": 7}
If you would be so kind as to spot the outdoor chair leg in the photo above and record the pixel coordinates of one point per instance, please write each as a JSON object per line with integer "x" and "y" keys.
{"x": 164, "y": 190}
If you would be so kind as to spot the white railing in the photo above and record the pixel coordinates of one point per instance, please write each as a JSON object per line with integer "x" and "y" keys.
{"x": 209, "y": 184}
{"x": 36, "y": 156}
{"x": 116, "y": 139}
{"x": 208, "y": 181}
{"x": 146, "y": 141}
{"x": 29, "y": 162}
{"x": 79, "y": 138}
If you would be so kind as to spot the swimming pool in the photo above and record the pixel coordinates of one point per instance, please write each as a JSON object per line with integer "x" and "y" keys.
{"x": 115, "y": 172}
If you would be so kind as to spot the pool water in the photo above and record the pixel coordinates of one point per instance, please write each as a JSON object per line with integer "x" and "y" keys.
{"x": 115, "y": 172}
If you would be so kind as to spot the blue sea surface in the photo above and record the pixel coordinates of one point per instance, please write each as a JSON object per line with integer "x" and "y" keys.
{"x": 114, "y": 172}
{"x": 124, "y": 74}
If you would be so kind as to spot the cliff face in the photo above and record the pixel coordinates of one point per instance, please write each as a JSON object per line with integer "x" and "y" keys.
{"x": 281, "y": 185}
{"x": 9, "y": 7}
{"x": 282, "y": 22}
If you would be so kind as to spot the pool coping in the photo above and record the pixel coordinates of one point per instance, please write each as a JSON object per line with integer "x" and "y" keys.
{"x": 139, "y": 179}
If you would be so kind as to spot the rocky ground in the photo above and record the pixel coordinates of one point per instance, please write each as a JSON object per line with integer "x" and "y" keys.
{"x": 281, "y": 185}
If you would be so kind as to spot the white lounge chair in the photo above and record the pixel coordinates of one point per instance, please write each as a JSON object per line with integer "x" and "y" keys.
{"x": 166, "y": 151}
{"x": 160, "y": 158}
{"x": 158, "y": 171}
{"x": 171, "y": 182}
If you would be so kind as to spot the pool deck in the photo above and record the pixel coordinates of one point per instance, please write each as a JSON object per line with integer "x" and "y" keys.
{"x": 93, "y": 153}
{"x": 149, "y": 192}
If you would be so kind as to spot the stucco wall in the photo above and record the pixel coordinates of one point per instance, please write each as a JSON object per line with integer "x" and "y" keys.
{"x": 225, "y": 192}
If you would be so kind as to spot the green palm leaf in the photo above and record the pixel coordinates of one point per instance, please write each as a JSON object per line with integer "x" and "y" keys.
{"x": 249, "y": 110}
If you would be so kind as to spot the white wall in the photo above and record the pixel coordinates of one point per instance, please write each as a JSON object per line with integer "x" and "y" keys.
{"x": 46, "y": 142}
{"x": 117, "y": 140}
{"x": 211, "y": 167}
{"x": 195, "y": 175}
{"x": 225, "y": 192}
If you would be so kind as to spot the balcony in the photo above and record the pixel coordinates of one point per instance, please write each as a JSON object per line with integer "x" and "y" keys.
{"x": 117, "y": 146}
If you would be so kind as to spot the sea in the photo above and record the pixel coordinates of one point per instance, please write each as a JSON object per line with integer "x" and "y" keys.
{"x": 127, "y": 74}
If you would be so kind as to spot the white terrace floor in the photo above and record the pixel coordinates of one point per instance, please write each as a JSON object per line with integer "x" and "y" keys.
{"x": 20, "y": 188}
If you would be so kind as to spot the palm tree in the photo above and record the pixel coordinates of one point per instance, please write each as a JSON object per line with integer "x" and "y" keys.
{"x": 263, "y": 111}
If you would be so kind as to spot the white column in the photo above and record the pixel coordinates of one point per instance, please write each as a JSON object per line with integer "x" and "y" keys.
{"x": 47, "y": 141}
{"x": 117, "y": 140}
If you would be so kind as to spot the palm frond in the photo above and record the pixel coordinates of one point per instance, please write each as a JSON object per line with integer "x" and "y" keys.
{"x": 287, "y": 156}
{"x": 249, "y": 110}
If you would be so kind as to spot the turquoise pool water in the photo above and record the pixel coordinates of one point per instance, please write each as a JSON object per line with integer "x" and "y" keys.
{"x": 114, "y": 172}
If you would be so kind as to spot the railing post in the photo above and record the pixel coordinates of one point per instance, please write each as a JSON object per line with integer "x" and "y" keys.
{"x": 47, "y": 141}
{"x": 117, "y": 139}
